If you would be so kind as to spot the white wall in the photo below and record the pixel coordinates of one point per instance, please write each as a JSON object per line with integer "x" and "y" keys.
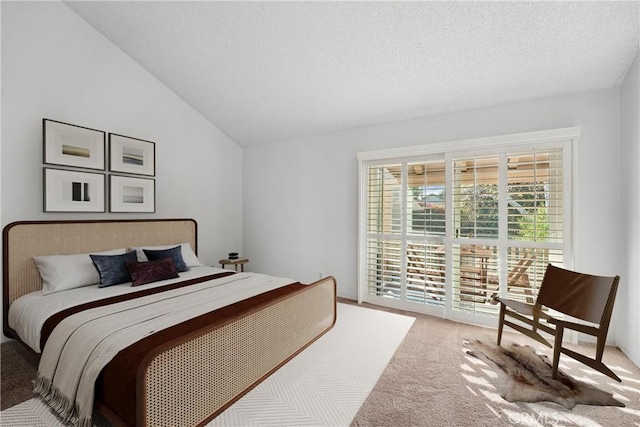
{"x": 300, "y": 197}
{"x": 628, "y": 332}
{"x": 56, "y": 66}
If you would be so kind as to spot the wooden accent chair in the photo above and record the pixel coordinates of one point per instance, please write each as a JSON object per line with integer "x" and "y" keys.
{"x": 581, "y": 296}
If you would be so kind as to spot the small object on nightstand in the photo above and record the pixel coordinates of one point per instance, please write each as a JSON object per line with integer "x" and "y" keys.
{"x": 235, "y": 262}
{"x": 233, "y": 255}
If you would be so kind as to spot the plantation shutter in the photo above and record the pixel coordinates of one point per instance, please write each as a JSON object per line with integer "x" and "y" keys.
{"x": 445, "y": 232}
{"x": 384, "y": 230}
{"x": 426, "y": 225}
{"x": 475, "y": 191}
{"x": 476, "y": 232}
{"x": 535, "y": 221}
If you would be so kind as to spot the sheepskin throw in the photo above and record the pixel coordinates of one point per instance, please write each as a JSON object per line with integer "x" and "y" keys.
{"x": 525, "y": 376}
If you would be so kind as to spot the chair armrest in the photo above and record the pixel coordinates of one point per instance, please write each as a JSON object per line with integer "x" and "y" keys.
{"x": 580, "y": 327}
{"x": 523, "y": 308}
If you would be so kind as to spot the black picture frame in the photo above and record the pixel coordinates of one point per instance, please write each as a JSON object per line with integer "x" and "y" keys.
{"x": 132, "y": 194}
{"x": 69, "y": 145}
{"x": 66, "y": 190}
{"x": 131, "y": 155}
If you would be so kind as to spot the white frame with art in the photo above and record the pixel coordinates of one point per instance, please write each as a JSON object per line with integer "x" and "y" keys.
{"x": 131, "y": 155}
{"x": 132, "y": 194}
{"x": 73, "y": 191}
{"x": 71, "y": 145}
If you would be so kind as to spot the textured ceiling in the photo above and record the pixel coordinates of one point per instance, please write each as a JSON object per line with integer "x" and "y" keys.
{"x": 270, "y": 71}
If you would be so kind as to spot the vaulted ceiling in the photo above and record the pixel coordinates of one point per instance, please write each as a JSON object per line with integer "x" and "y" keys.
{"x": 264, "y": 72}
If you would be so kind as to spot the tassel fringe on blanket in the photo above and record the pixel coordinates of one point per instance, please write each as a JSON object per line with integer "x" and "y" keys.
{"x": 61, "y": 405}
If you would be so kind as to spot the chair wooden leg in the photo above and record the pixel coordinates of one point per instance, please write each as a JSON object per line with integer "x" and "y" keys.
{"x": 500, "y": 322}
{"x": 600, "y": 343}
{"x": 592, "y": 363}
{"x": 557, "y": 346}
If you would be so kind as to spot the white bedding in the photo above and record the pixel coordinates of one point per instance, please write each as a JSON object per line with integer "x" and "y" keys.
{"x": 28, "y": 313}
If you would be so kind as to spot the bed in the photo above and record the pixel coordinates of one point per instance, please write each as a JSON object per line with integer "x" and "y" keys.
{"x": 188, "y": 373}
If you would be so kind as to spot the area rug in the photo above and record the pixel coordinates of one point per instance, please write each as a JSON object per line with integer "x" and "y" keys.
{"x": 525, "y": 376}
{"x": 324, "y": 385}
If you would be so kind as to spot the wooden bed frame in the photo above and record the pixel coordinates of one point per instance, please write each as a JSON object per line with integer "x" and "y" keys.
{"x": 257, "y": 342}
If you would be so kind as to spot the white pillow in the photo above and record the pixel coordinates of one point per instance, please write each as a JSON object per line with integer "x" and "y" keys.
{"x": 188, "y": 255}
{"x": 62, "y": 272}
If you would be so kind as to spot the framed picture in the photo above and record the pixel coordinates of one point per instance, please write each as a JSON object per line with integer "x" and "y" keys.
{"x": 131, "y": 155}
{"x": 73, "y": 191}
{"x": 71, "y": 145}
{"x": 129, "y": 194}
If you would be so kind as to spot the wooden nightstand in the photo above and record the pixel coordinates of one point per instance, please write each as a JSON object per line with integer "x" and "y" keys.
{"x": 235, "y": 262}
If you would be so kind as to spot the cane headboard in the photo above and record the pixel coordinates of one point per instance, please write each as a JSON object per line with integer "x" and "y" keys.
{"x": 21, "y": 241}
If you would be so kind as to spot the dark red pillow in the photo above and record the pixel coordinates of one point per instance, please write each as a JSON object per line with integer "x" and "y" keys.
{"x": 152, "y": 271}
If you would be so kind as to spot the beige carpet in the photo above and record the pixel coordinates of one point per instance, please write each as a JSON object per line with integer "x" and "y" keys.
{"x": 431, "y": 381}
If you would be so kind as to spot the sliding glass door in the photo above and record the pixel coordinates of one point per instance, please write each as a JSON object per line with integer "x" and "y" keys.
{"x": 405, "y": 221}
{"x": 444, "y": 233}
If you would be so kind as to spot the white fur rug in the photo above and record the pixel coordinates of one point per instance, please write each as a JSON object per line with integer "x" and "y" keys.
{"x": 325, "y": 385}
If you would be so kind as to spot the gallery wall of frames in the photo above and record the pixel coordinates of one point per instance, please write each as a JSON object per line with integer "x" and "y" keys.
{"x": 88, "y": 170}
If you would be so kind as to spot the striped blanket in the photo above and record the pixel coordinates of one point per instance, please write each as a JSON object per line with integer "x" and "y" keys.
{"x": 82, "y": 344}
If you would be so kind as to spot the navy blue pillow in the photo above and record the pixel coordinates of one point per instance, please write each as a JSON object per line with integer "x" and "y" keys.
{"x": 113, "y": 268}
{"x": 174, "y": 253}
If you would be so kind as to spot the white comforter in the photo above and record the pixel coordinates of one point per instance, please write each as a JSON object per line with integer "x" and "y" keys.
{"x": 82, "y": 344}
{"x": 28, "y": 313}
